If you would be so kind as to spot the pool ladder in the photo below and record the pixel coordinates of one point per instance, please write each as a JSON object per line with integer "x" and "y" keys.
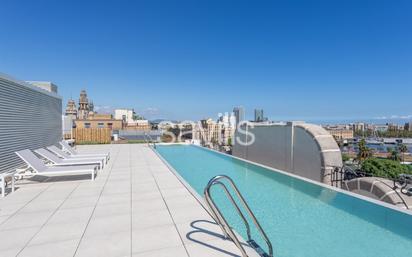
{"x": 222, "y": 222}
{"x": 149, "y": 140}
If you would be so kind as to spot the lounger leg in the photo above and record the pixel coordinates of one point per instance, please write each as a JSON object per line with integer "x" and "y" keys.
{"x": 12, "y": 184}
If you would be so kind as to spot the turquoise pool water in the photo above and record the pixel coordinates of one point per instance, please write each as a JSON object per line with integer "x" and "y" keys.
{"x": 301, "y": 219}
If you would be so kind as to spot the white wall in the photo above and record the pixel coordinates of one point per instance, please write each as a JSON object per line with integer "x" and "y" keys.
{"x": 303, "y": 149}
{"x": 29, "y": 118}
{"x": 118, "y": 114}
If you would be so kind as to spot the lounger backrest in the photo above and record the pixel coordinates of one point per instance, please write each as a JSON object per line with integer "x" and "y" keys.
{"x": 48, "y": 155}
{"x": 68, "y": 147}
{"x": 30, "y": 159}
{"x": 58, "y": 151}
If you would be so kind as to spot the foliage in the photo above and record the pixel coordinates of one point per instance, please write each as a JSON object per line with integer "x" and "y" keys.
{"x": 393, "y": 154}
{"x": 389, "y": 133}
{"x": 229, "y": 141}
{"x": 345, "y": 157}
{"x": 364, "y": 151}
{"x": 384, "y": 168}
{"x": 403, "y": 149}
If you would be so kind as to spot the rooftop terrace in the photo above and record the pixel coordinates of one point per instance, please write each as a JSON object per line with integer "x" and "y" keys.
{"x": 135, "y": 207}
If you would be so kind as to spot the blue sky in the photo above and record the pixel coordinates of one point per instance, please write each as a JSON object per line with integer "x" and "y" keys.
{"x": 192, "y": 59}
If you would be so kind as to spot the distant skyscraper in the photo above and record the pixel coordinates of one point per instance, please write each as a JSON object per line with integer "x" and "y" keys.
{"x": 259, "y": 115}
{"x": 239, "y": 114}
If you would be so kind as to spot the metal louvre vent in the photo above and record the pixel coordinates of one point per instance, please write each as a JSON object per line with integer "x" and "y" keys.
{"x": 29, "y": 119}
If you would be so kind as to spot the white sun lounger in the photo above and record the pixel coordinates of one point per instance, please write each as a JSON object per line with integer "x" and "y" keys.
{"x": 40, "y": 168}
{"x": 62, "y": 154}
{"x": 73, "y": 153}
{"x": 69, "y": 162}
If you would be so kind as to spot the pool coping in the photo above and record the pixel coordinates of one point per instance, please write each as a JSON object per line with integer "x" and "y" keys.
{"x": 365, "y": 198}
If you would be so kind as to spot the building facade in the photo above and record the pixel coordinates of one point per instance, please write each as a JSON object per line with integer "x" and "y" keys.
{"x": 99, "y": 121}
{"x": 30, "y": 118}
{"x": 341, "y": 134}
{"x": 239, "y": 113}
{"x": 127, "y": 115}
{"x": 259, "y": 115}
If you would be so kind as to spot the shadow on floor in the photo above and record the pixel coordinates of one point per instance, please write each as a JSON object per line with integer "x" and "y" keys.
{"x": 197, "y": 228}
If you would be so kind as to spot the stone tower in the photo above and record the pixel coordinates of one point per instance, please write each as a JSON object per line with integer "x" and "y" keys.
{"x": 71, "y": 109}
{"x": 83, "y": 112}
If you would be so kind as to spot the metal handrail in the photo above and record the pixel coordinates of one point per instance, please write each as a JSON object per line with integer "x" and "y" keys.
{"x": 150, "y": 140}
{"x": 222, "y": 222}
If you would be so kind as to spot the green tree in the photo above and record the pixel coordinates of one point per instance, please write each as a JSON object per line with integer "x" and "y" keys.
{"x": 403, "y": 149}
{"x": 384, "y": 168}
{"x": 393, "y": 154}
{"x": 364, "y": 151}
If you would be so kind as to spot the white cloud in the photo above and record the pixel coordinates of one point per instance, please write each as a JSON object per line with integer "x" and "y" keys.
{"x": 104, "y": 109}
{"x": 399, "y": 117}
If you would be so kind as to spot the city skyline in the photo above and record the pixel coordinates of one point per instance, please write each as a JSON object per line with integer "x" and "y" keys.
{"x": 188, "y": 61}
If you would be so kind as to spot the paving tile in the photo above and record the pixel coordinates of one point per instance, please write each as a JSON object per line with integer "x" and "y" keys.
{"x": 169, "y": 193}
{"x": 7, "y": 209}
{"x": 77, "y": 202}
{"x": 167, "y": 252}
{"x": 9, "y": 252}
{"x": 148, "y": 205}
{"x": 105, "y": 245}
{"x": 182, "y": 202}
{"x": 59, "y": 232}
{"x": 25, "y": 220}
{"x": 189, "y": 214}
{"x": 4, "y": 218}
{"x": 155, "y": 238}
{"x": 108, "y": 225}
{"x": 57, "y": 248}
{"x": 146, "y": 219}
{"x": 144, "y": 188}
{"x": 40, "y": 206}
{"x": 16, "y": 239}
{"x": 216, "y": 248}
{"x": 145, "y": 196}
{"x": 199, "y": 231}
{"x": 81, "y": 214}
{"x": 103, "y": 210}
{"x": 114, "y": 198}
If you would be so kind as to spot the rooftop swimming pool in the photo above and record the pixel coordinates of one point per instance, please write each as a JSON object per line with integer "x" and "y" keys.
{"x": 302, "y": 219}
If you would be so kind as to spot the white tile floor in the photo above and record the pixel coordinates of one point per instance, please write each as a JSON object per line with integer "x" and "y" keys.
{"x": 135, "y": 207}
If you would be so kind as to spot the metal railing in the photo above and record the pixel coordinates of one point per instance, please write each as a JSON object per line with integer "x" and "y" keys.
{"x": 337, "y": 176}
{"x": 404, "y": 184}
{"x": 224, "y": 225}
{"x": 149, "y": 140}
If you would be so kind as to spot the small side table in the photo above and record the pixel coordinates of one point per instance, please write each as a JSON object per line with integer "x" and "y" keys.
{"x": 3, "y": 177}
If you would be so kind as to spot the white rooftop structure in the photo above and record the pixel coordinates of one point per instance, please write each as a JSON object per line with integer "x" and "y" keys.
{"x": 46, "y": 85}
